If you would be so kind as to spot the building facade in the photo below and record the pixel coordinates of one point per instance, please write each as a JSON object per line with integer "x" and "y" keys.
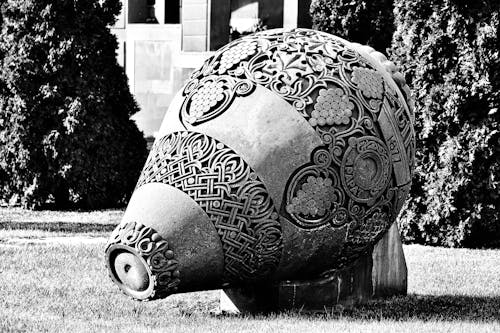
{"x": 162, "y": 41}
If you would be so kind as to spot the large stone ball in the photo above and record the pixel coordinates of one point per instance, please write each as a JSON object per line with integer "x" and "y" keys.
{"x": 297, "y": 145}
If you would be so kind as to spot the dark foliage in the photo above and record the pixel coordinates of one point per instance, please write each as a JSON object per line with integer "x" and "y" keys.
{"x": 368, "y": 22}
{"x": 66, "y": 137}
{"x": 450, "y": 52}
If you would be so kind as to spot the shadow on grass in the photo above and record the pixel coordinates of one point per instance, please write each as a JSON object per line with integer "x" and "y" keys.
{"x": 70, "y": 227}
{"x": 428, "y": 307}
{"x": 411, "y": 307}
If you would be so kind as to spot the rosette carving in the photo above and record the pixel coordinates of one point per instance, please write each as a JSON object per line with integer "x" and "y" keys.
{"x": 366, "y": 169}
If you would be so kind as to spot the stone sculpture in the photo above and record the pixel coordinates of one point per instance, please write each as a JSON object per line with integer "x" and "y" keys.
{"x": 286, "y": 155}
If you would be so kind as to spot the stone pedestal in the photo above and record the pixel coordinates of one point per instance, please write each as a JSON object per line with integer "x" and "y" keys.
{"x": 381, "y": 274}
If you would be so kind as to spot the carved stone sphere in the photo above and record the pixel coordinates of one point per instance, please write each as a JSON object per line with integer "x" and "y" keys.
{"x": 287, "y": 154}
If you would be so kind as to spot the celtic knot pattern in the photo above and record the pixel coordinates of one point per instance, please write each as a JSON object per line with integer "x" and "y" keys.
{"x": 156, "y": 253}
{"x": 231, "y": 194}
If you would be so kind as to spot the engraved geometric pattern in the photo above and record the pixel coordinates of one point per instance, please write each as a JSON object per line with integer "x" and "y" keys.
{"x": 231, "y": 194}
{"x": 365, "y": 126}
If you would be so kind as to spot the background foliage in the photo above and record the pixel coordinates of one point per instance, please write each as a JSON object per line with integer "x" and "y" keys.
{"x": 450, "y": 53}
{"x": 367, "y": 22}
{"x": 66, "y": 136}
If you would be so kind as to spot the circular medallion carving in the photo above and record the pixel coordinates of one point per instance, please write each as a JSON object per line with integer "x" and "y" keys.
{"x": 366, "y": 168}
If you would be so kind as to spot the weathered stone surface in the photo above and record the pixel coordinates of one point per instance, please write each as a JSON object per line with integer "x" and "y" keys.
{"x": 287, "y": 155}
{"x": 380, "y": 273}
{"x": 389, "y": 266}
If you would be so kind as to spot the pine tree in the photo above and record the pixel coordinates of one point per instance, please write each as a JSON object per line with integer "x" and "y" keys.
{"x": 449, "y": 50}
{"x": 66, "y": 137}
{"x": 362, "y": 21}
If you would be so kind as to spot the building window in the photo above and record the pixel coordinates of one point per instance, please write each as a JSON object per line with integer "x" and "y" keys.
{"x": 154, "y": 11}
{"x": 172, "y": 11}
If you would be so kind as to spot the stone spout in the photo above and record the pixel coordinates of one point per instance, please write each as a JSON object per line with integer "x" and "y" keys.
{"x": 163, "y": 233}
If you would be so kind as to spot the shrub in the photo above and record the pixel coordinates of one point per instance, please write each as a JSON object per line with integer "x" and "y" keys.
{"x": 362, "y": 21}
{"x": 449, "y": 50}
{"x": 66, "y": 136}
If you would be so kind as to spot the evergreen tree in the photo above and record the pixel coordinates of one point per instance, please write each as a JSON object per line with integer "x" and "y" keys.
{"x": 362, "y": 21}
{"x": 449, "y": 50}
{"x": 66, "y": 136}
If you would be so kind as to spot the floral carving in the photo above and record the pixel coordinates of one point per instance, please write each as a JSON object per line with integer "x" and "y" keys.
{"x": 332, "y": 107}
{"x": 315, "y": 197}
{"x": 236, "y": 54}
{"x": 296, "y": 64}
{"x": 369, "y": 82}
{"x": 206, "y": 97}
{"x": 210, "y": 96}
{"x": 365, "y": 126}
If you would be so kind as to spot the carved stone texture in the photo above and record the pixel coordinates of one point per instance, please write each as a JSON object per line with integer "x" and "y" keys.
{"x": 338, "y": 179}
{"x": 161, "y": 276}
{"x": 210, "y": 96}
{"x": 364, "y": 123}
{"x": 229, "y": 192}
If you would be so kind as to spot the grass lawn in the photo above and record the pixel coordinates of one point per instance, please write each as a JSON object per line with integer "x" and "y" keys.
{"x": 64, "y": 287}
{"x": 60, "y": 221}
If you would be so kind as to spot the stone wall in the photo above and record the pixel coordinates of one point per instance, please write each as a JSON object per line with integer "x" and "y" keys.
{"x": 159, "y": 57}
{"x": 195, "y": 25}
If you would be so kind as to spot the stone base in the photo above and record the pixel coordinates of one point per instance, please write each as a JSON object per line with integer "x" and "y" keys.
{"x": 381, "y": 274}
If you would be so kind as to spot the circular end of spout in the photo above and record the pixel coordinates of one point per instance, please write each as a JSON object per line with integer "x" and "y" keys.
{"x": 130, "y": 272}
{"x": 141, "y": 263}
